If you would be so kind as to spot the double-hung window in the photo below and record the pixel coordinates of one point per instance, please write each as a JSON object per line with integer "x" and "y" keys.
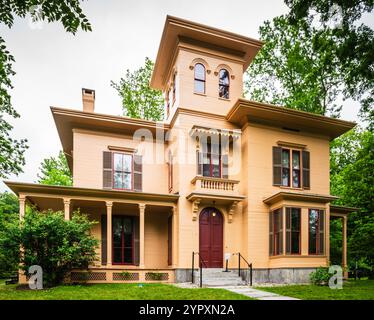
{"x": 291, "y": 168}
{"x": 316, "y": 231}
{"x": 293, "y": 230}
{"x": 122, "y": 173}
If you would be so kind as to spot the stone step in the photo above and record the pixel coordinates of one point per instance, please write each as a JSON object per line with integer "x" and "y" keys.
{"x": 222, "y": 283}
{"x": 216, "y": 277}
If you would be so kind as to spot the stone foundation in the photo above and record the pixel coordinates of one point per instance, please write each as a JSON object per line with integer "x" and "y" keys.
{"x": 281, "y": 275}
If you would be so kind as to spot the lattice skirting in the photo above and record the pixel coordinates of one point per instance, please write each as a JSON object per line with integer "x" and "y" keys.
{"x": 122, "y": 276}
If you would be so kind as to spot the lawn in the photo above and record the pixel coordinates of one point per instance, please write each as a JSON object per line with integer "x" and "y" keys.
{"x": 117, "y": 292}
{"x": 352, "y": 290}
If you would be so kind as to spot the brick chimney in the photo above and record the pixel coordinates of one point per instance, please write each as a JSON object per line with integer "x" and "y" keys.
{"x": 88, "y": 98}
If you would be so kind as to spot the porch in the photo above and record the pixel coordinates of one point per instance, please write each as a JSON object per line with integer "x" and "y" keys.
{"x": 137, "y": 231}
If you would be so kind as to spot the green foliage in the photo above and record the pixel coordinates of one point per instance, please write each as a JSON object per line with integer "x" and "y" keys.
{"x": 55, "y": 171}
{"x": 352, "y": 179}
{"x": 353, "y": 43}
{"x": 156, "y": 276}
{"x": 9, "y": 214}
{"x": 138, "y": 99}
{"x": 126, "y": 275}
{"x": 57, "y": 245}
{"x": 69, "y": 13}
{"x": 320, "y": 277}
{"x": 296, "y": 68}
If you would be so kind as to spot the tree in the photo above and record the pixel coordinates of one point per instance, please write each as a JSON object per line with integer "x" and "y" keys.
{"x": 69, "y": 13}
{"x": 138, "y": 99}
{"x": 9, "y": 214}
{"x": 354, "y": 43}
{"x": 50, "y": 241}
{"x": 290, "y": 70}
{"x": 55, "y": 171}
{"x": 352, "y": 167}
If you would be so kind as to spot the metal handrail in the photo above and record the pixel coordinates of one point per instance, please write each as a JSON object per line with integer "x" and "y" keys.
{"x": 201, "y": 267}
{"x": 249, "y": 266}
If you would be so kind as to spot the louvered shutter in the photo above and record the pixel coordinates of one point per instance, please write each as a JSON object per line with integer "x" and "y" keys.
{"x": 225, "y": 166}
{"x": 138, "y": 168}
{"x": 277, "y": 166}
{"x": 306, "y": 169}
{"x": 199, "y": 163}
{"x": 107, "y": 170}
{"x": 103, "y": 240}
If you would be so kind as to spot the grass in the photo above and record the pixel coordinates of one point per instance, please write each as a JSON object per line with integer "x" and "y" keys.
{"x": 117, "y": 292}
{"x": 352, "y": 290}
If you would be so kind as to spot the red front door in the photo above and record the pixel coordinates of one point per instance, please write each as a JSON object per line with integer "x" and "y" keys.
{"x": 211, "y": 237}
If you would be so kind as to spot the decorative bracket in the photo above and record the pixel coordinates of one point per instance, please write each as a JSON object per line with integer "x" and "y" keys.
{"x": 232, "y": 210}
{"x": 195, "y": 209}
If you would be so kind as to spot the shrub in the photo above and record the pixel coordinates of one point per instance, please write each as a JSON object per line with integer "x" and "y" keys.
{"x": 155, "y": 276}
{"x": 320, "y": 277}
{"x": 53, "y": 243}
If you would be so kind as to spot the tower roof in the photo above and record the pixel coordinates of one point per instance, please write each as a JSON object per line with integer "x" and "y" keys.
{"x": 177, "y": 29}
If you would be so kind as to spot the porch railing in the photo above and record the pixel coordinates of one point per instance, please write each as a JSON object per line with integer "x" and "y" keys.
{"x": 240, "y": 257}
{"x": 201, "y": 263}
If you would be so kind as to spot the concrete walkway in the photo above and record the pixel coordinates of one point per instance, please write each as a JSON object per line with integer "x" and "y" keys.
{"x": 255, "y": 293}
{"x": 244, "y": 290}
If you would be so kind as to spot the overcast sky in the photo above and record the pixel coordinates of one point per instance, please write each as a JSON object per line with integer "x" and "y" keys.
{"x": 52, "y": 66}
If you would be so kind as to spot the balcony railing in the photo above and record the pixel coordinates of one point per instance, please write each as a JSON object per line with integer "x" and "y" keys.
{"x": 215, "y": 184}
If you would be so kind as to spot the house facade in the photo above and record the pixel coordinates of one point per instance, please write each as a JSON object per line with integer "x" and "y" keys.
{"x": 221, "y": 175}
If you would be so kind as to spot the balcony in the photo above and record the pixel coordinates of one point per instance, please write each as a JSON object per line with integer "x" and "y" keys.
{"x": 215, "y": 185}
{"x": 214, "y": 191}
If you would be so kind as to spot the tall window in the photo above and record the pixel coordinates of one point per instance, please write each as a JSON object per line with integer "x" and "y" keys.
{"x": 174, "y": 89}
{"x": 167, "y": 102}
{"x": 199, "y": 85}
{"x": 224, "y": 83}
{"x": 211, "y": 159}
{"x": 316, "y": 231}
{"x": 276, "y": 232}
{"x": 293, "y": 227}
{"x": 123, "y": 240}
{"x": 285, "y": 167}
{"x": 289, "y": 170}
{"x": 123, "y": 171}
{"x": 296, "y": 169}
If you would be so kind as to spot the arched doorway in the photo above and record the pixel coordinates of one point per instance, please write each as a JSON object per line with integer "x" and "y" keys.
{"x": 211, "y": 237}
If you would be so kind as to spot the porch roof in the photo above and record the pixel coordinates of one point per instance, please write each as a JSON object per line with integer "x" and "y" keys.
{"x": 341, "y": 210}
{"x": 287, "y": 195}
{"x": 89, "y": 193}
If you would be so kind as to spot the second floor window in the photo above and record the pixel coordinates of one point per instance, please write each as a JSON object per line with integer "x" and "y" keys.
{"x": 122, "y": 173}
{"x": 291, "y": 168}
{"x": 224, "y": 84}
{"x": 199, "y": 83}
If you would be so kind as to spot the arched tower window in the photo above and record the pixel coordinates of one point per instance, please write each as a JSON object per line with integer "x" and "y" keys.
{"x": 199, "y": 85}
{"x": 224, "y": 84}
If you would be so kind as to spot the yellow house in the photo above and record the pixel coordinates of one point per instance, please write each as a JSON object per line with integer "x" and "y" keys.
{"x": 221, "y": 179}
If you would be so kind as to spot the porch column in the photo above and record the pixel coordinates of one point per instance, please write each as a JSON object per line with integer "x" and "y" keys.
{"x": 141, "y": 234}
{"x": 109, "y": 205}
{"x": 344, "y": 251}
{"x": 174, "y": 241}
{"x": 22, "y": 206}
{"x": 67, "y": 208}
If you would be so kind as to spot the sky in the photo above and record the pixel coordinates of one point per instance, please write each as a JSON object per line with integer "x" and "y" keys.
{"x": 52, "y": 66}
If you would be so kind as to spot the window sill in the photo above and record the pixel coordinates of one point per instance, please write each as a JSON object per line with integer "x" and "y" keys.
{"x": 224, "y": 99}
{"x": 200, "y": 94}
{"x": 296, "y": 256}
